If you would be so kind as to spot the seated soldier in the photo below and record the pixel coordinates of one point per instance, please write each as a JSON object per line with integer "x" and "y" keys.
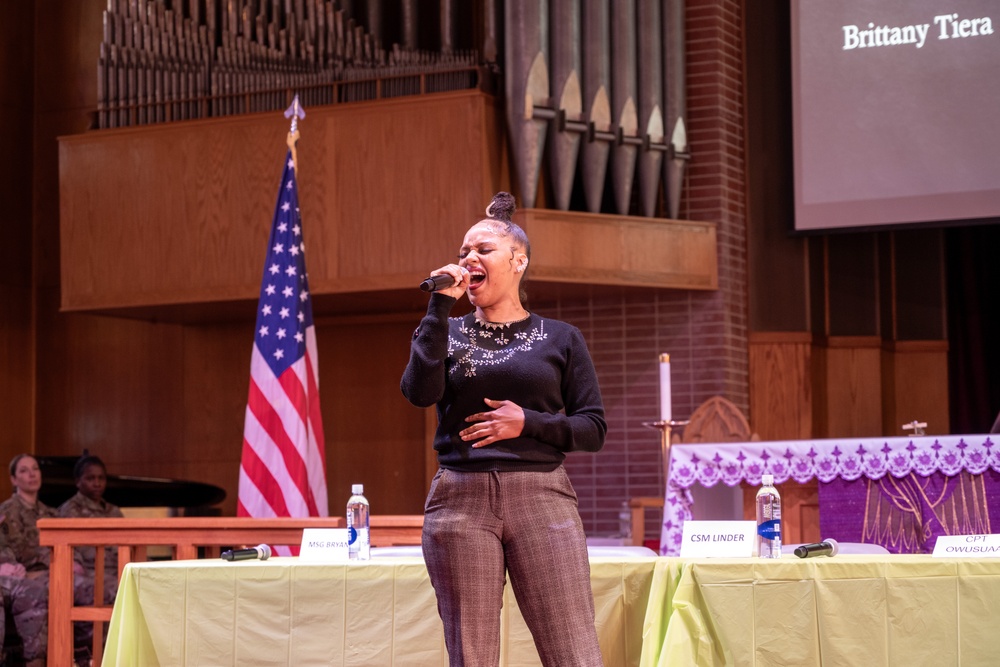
{"x": 91, "y": 481}
{"x": 27, "y": 602}
{"x": 21, "y": 513}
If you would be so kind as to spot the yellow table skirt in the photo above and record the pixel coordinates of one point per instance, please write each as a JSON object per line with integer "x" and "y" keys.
{"x": 867, "y": 611}
{"x": 288, "y": 612}
{"x": 848, "y": 610}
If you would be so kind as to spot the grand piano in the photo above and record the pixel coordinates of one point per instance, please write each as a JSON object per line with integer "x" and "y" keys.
{"x": 196, "y": 498}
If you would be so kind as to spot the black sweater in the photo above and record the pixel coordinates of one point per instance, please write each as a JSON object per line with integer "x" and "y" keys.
{"x": 542, "y": 365}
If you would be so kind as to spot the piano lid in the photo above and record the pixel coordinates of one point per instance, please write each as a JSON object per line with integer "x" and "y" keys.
{"x": 58, "y": 486}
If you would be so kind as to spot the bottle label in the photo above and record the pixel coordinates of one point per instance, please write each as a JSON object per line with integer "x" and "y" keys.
{"x": 769, "y": 530}
{"x": 352, "y": 534}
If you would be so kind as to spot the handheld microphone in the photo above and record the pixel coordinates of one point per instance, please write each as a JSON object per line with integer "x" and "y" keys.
{"x": 261, "y": 551}
{"x": 827, "y": 547}
{"x": 434, "y": 283}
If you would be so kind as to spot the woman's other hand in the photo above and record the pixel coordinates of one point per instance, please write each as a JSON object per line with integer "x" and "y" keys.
{"x": 504, "y": 422}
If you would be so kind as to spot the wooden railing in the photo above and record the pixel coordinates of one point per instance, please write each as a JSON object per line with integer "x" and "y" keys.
{"x": 185, "y": 537}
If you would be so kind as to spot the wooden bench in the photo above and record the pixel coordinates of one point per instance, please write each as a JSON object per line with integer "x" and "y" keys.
{"x": 637, "y": 510}
{"x": 185, "y": 536}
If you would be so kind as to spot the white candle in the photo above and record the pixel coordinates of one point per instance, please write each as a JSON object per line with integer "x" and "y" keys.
{"x": 665, "y": 409}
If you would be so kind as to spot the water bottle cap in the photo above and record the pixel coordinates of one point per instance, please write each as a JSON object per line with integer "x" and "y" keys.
{"x": 767, "y": 480}
{"x": 358, "y": 489}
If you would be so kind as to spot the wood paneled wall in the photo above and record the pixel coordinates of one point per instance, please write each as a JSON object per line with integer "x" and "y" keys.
{"x": 915, "y": 386}
{"x": 177, "y": 213}
{"x": 621, "y": 250}
{"x": 168, "y": 400}
{"x": 845, "y": 386}
{"x": 781, "y": 391}
{"x": 374, "y": 435}
{"x": 45, "y": 87}
{"x": 16, "y": 346}
{"x": 848, "y": 382}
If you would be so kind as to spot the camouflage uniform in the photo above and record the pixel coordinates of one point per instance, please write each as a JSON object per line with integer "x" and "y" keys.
{"x": 28, "y": 602}
{"x": 82, "y": 506}
{"x": 21, "y": 526}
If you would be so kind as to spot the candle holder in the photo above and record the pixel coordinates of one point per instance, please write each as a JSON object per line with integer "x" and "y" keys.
{"x": 665, "y": 428}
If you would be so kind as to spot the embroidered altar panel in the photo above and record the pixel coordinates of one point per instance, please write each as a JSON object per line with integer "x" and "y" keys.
{"x": 907, "y": 514}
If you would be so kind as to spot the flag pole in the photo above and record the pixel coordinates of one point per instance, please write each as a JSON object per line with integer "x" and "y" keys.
{"x": 295, "y": 112}
{"x": 283, "y": 458}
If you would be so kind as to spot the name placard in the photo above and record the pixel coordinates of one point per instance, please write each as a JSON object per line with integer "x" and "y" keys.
{"x": 967, "y": 546}
{"x": 328, "y": 545}
{"x": 718, "y": 539}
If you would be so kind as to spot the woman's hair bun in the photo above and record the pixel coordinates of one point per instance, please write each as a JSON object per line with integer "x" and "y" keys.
{"x": 502, "y": 207}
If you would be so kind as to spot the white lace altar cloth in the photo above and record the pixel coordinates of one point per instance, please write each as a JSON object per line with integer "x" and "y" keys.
{"x": 803, "y": 460}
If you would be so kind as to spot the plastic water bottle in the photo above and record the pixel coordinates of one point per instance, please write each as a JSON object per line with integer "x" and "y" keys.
{"x": 768, "y": 519}
{"x": 625, "y": 523}
{"x": 358, "y": 536}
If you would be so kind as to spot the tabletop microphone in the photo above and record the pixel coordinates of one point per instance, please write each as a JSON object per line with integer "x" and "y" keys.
{"x": 827, "y": 547}
{"x": 261, "y": 551}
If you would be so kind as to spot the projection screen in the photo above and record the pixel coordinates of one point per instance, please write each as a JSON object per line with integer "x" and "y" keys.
{"x": 896, "y": 112}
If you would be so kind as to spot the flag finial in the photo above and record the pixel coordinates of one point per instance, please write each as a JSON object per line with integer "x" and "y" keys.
{"x": 295, "y": 112}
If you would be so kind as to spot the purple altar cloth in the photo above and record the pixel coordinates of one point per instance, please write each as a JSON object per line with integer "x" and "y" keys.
{"x": 923, "y": 478}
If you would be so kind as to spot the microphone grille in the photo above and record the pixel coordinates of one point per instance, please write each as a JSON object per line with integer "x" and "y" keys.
{"x": 265, "y": 551}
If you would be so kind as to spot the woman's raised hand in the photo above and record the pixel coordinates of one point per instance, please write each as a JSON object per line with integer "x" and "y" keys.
{"x": 461, "y": 276}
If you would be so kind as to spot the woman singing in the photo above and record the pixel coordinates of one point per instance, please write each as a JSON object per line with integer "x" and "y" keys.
{"x": 514, "y": 393}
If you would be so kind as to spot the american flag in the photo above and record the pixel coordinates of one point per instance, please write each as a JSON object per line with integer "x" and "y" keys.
{"x": 283, "y": 465}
